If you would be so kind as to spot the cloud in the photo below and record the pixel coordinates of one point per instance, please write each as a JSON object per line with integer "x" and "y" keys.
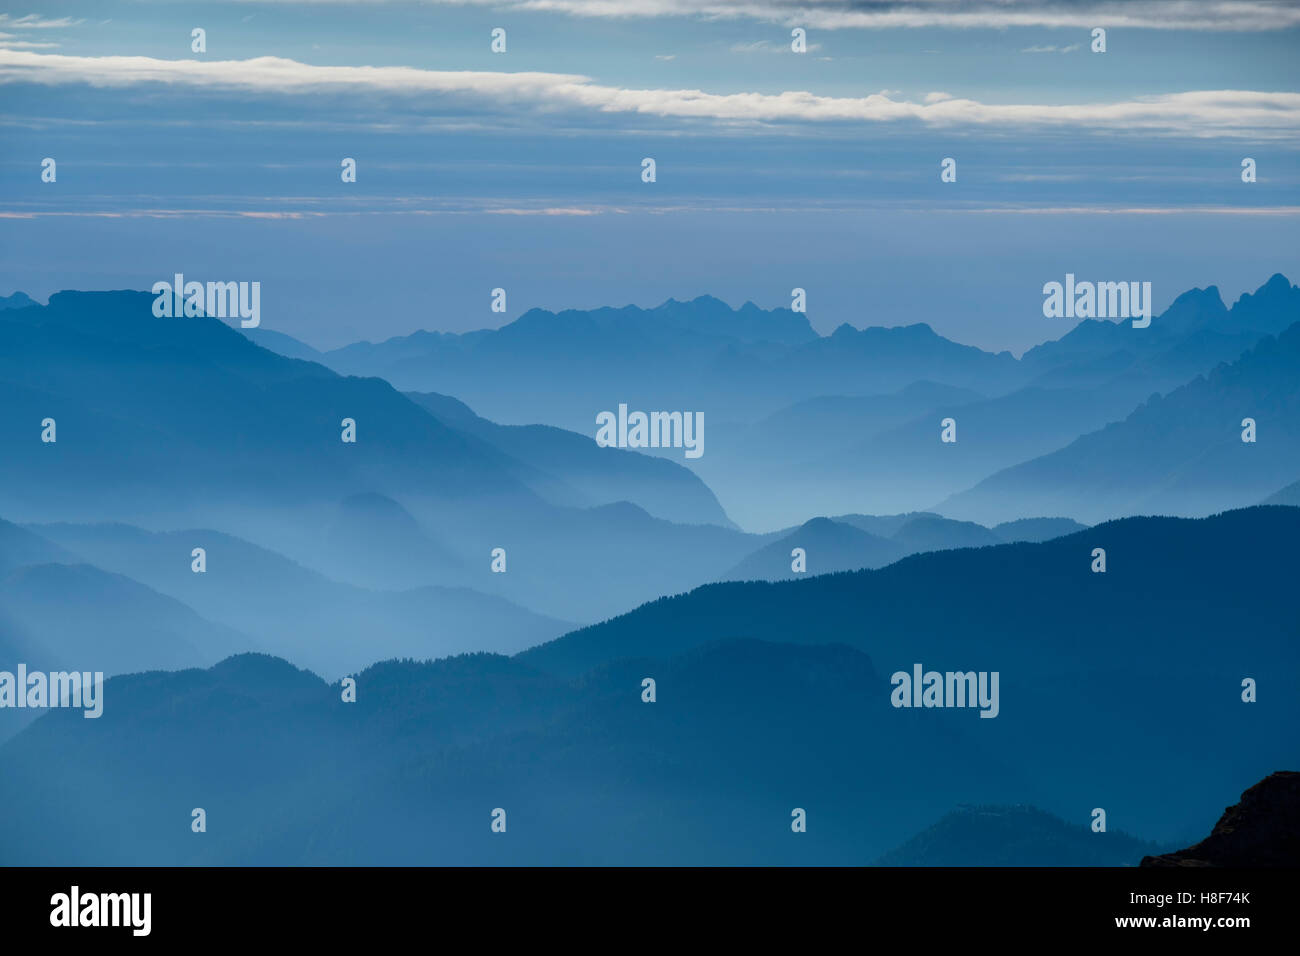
{"x": 1196, "y": 113}
{"x": 10, "y": 41}
{"x": 1224, "y": 15}
{"x": 1285, "y": 211}
{"x": 757, "y": 46}
{"x": 33, "y": 21}
{"x": 328, "y": 207}
{"x": 1052, "y": 49}
{"x": 767, "y": 46}
{"x": 549, "y": 211}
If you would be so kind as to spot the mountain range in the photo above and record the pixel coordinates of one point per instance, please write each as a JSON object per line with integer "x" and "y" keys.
{"x": 1181, "y": 453}
{"x": 169, "y": 424}
{"x": 848, "y": 422}
{"x": 1014, "y": 836}
{"x": 471, "y": 558}
{"x": 768, "y": 699}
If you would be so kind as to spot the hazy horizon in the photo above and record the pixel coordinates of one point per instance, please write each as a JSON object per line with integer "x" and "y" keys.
{"x": 821, "y": 328}
{"x": 522, "y": 170}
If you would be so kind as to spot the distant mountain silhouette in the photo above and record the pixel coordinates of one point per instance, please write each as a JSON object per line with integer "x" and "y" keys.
{"x": 854, "y": 542}
{"x": 1196, "y": 333}
{"x": 1036, "y": 529}
{"x": 586, "y": 772}
{"x": 808, "y": 428}
{"x": 886, "y": 526}
{"x": 169, "y": 414}
{"x": 1180, "y": 454}
{"x": 788, "y": 464}
{"x": 177, "y": 423}
{"x": 1290, "y": 495}
{"x": 81, "y": 617}
{"x": 375, "y": 542}
{"x": 57, "y": 612}
{"x": 828, "y": 454}
{"x": 19, "y": 547}
{"x": 908, "y": 463}
{"x": 567, "y": 468}
{"x": 588, "y": 564}
{"x": 699, "y": 355}
{"x": 786, "y": 711}
{"x": 279, "y": 413}
{"x": 1193, "y": 335}
{"x": 282, "y": 344}
{"x": 801, "y": 424}
{"x": 995, "y": 591}
{"x": 19, "y": 300}
{"x": 933, "y": 533}
{"x": 828, "y": 545}
{"x": 1014, "y": 836}
{"x": 1262, "y": 830}
{"x": 295, "y": 612}
{"x": 56, "y": 617}
{"x": 771, "y": 694}
{"x": 1064, "y": 637}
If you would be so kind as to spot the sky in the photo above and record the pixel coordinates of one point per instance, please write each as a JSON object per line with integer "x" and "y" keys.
{"x": 774, "y": 169}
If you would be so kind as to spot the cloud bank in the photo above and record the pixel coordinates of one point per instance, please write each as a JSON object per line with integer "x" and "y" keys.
{"x": 1224, "y": 15}
{"x": 1195, "y": 113}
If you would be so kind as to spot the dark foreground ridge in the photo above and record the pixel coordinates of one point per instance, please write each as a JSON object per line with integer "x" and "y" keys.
{"x": 1262, "y": 830}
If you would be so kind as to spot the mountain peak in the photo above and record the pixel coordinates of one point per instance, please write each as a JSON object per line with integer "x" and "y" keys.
{"x": 818, "y": 524}
{"x": 1260, "y": 830}
{"x": 19, "y": 300}
{"x": 1209, "y": 296}
{"x": 265, "y": 672}
{"x": 1274, "y": 289}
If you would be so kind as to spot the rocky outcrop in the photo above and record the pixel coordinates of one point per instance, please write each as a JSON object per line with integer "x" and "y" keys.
{"x": 1263, "y": 830}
